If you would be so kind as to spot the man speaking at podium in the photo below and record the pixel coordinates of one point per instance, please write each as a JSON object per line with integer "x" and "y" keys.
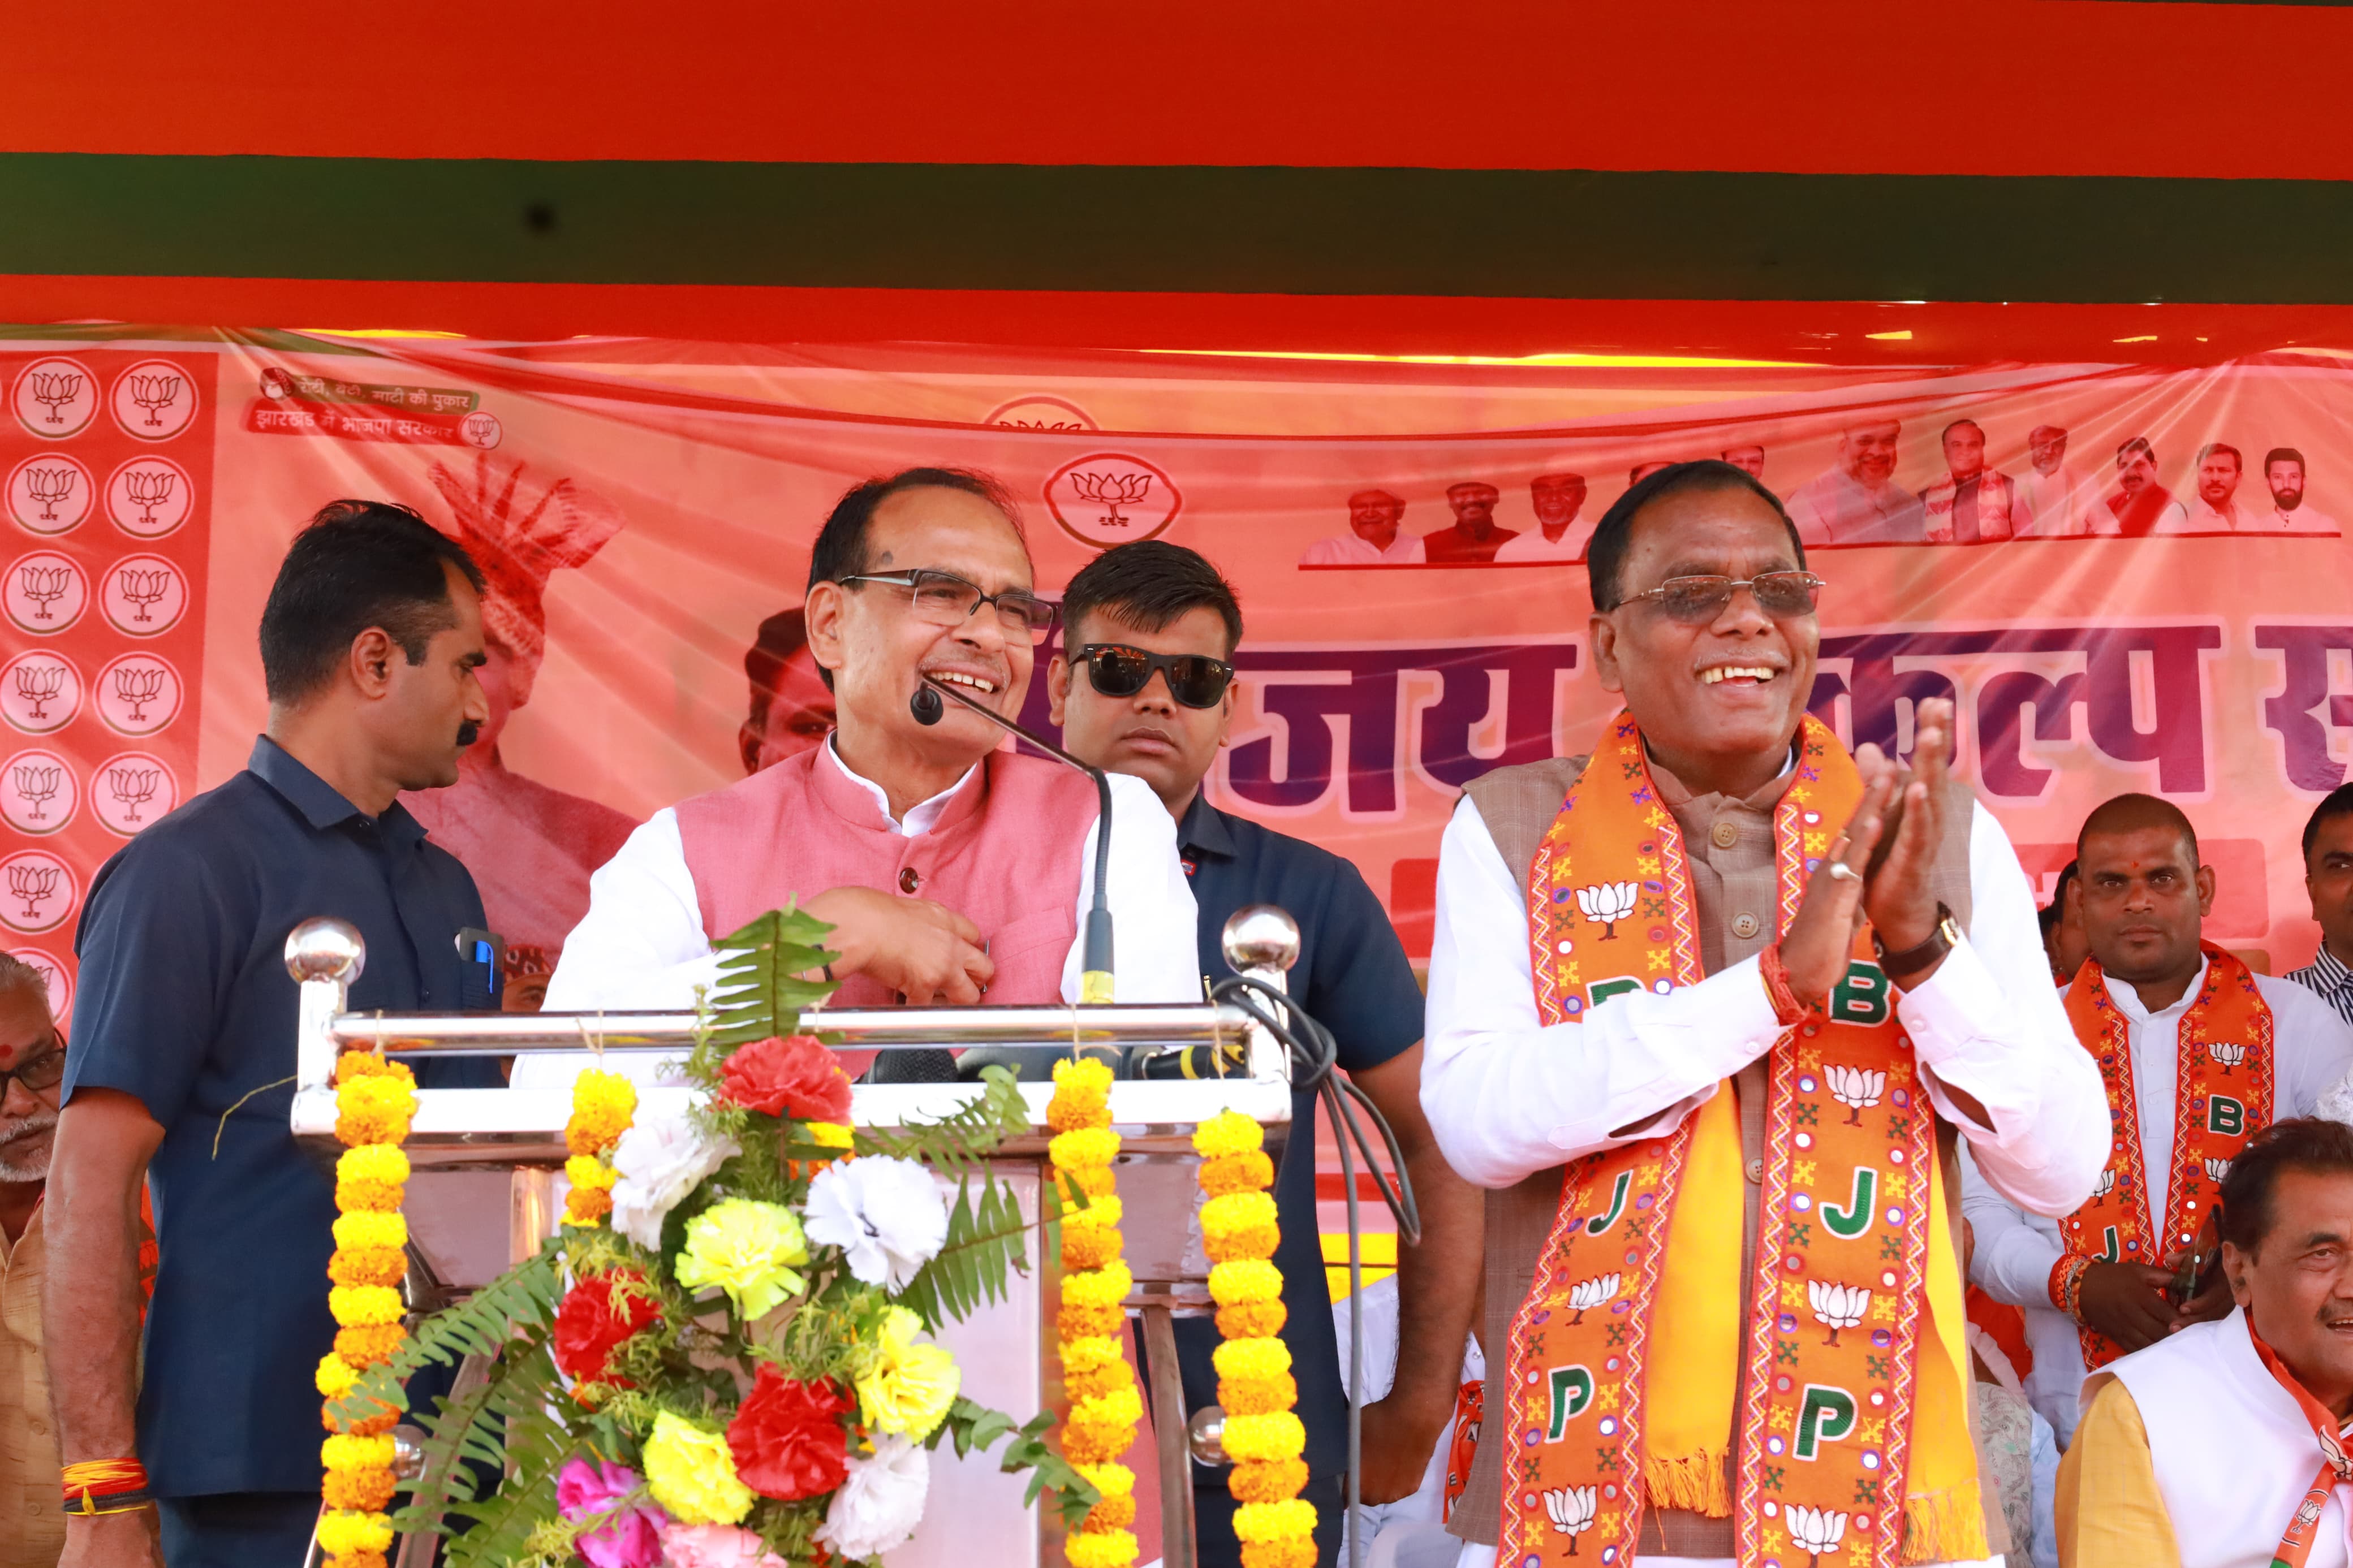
{"x": 1671, "y": 988}
{"x": 952, "y": 872}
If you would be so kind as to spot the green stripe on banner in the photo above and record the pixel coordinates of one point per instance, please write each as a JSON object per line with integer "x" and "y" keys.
{"x": 1492, "y": 233}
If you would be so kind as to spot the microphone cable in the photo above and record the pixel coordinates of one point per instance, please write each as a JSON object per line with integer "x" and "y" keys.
{"x": 1314, "y": 1055}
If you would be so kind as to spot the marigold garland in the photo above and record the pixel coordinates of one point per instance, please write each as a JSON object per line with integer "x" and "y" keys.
{"x": 1104, "y": 1403}
{"x": 602, "y": 1104}
{"x": 375, "y": 1100}
{"x": 1263, "y": 1437}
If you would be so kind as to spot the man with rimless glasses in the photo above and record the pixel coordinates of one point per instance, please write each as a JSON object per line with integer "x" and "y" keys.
{"x": 1710, "y": 1011}
{"x": 952, "y": 872}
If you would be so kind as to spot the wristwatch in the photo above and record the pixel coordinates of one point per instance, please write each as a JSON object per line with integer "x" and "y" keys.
{"x": 1899, "y": 967}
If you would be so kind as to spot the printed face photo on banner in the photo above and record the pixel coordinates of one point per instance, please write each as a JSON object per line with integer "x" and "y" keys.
{"x": 2162, "y": 611}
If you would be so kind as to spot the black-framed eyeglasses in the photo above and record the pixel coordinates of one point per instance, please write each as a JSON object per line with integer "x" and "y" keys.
{"x": 1116, "y": 669}
{"x": 1695, "y": 601}
{"x": 944, "y": 599}
{"x": 43, "y": 1072}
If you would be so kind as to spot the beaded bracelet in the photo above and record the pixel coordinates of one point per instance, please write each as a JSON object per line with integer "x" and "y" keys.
{"x": 2067, "y": 1285}
{"x": 105, "y": 1486}
{"x": 1787, "y": 1008}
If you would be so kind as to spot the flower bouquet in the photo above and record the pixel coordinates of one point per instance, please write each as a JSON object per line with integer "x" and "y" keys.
{"x": 724, "y": 1358}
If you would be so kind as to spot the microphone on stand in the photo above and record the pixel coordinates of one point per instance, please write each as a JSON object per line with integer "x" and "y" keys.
{"x": 1094, "y": 967}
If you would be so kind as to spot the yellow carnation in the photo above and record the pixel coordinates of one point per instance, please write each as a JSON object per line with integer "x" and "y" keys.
{"x": 1100, "y": 1549}
{"x": 357, "y": 1305}
{"x": 1251, "y": 1358}
{"x": 909, "y": 1386}
{"x": 372, "y": 1163}
{"x": 746, "y": 1247}
{"x": 346, "y": 1452}
{"x": 1104, "y": 1287}
{"x": 363, "y": 1230}
{"x": 1275, "y": 1436}
{"x": 1083, "y": 1148}
{"x": 692, "y": 1473}
{"x": 343, "y": 1533}
{"x": 335, "y": 1376}
{"x": 1226, "y": 1132}
{"x": 1244, "y": 1280}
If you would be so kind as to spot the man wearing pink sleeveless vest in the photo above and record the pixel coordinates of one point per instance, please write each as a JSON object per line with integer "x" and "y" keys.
{"x": 952, "y": 871}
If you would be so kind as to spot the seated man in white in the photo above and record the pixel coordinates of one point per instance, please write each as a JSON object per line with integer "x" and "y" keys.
{"x": 952, "y": 871}
{"x": 2224, "y": 1444}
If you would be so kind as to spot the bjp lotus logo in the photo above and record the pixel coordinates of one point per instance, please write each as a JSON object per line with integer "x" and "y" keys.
{"x": 1571, "y": 1511}
{"x": 154, "y": 400}
{"x": 1111, "y": 498}
{"x": 1857, "y": 1089}
{"x": 1607, "y": 903}
{"x": 1837, "y": 1307}
{"x": 1587, "y": 1294}
{"x": 1816, "y": 1531}
{"x": 54, "y": 397}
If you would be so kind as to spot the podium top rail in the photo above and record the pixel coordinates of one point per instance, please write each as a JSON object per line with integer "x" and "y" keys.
{"x": 852, "y": 1028}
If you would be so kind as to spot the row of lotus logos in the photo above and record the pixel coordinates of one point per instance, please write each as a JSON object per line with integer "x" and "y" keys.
{"x": 54, "y": 975}
{"x": 56, "y": 397}
{"x": 134, "y": 694}
{"x": 141, "y": 595}
{"x": 40, "y": 793}
{"x": 55, "y": 492}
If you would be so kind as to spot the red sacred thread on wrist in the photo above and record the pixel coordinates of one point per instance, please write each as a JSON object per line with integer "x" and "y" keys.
{"x": 2067, "y": 1285}
{"x": 1787, "y": 1008}
{"x": 104, "y": 1486}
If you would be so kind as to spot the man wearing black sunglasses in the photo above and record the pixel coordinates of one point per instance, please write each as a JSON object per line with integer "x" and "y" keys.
{"x": 1146, "y": 689}
{"x": 952, "y": 872}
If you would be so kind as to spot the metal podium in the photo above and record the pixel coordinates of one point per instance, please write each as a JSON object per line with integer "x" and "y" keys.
{"x": 1007, "y": 1348}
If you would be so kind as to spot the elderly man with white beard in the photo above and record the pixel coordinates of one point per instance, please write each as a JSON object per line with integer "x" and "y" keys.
{"x": 32, "y": 1065}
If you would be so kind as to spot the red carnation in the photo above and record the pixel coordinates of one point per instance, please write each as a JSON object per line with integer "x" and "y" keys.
{"x": 593, "y": 1319}
{"x": 795, "y": 1078}
{"x": 788, "y": 1438}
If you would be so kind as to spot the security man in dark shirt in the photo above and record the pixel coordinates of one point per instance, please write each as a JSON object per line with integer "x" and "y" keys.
{"x": 185, "y": 1037}
{"x": 1146, "y": 688}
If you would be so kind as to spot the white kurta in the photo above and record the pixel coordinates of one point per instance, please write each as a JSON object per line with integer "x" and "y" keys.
{"x": 1566, "y": 550}
{"x": 1508, "y": 1096}
{"x": 2016, "y": 1251}
{"x": 1347, "y": 549}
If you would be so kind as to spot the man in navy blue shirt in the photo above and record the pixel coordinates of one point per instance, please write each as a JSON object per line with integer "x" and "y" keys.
{"x": 182, "y": 1065}
{"x": 1146, "y": 688}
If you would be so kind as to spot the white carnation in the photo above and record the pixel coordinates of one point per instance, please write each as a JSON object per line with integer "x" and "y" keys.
{"x": 660, "y": 1159}
{"x": 885, "y": 1214}
{"x": 880, "y": 1503}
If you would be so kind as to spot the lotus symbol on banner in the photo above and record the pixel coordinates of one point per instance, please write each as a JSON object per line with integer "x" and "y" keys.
{"x": 138, "y": 687}
{"x": 1815, "y": 1530}
{"x": 2217, "y": 1169}
{"x": 1109, "y": 490}
{"x": 33, "y": 884}
{"x": 140, "y": 589}
{"x": 39, "y": 684}
{"x": 2106, "y": 1184}
{"x": 36, "y": 786}
{"x": 150, "y": 489}
{"x": 154, "y": 394}
{"x": 1837, "y": 1307}
{"x": 1571, "y": 1511}
{"x": 2229, "y": 1053}
{"x": 45, "y": 585}
{"x": 1587, "y": 1294}
{"x": 1607, "y": 903}
{"x": 1855, "y": 1089}
{"x": 132, "y": 787}
{"x": 49, "y": 486}
{"x": 53, "y": 389}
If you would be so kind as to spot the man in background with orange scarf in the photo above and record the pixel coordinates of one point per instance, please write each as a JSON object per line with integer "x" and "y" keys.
{"x": 1670, "y": 985}
{"x": 2196, "y": 1054}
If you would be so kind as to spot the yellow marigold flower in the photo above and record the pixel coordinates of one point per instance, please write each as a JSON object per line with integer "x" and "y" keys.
{"x": 1268, "y": 1480}
{"x": 1089, "y": 1322}
{"x": 1083, "y": 1148}
{"x": 1096, "y": 1382}
{"x": 1105, "y": 1548}
{"x": 374, "y": 1162}
{"x": 1111, "y": 1480}
{"x": 1106, "y": 1287}
{"x": 1101, "y": 1214}
{"x": 363, "y": 1230}
{"x": 910, "y": 1386}
{"x": 347, "y": 1453}
{"x": 1096, "y": 1181}
{"x": 1290, "y": 1521}
{"x": 1086, "y": 1108}
{"x": 366, "y": 1266}
{"x": 830, "y": 1134}
{"x": 335, "y": 1376}
{"x": 1082, "y": 1075}
{"x": 1092, "y": 1442}
{"x": 357, "y": 1305}
{"x": 1250, "y": 1280}
{"x": 1226, "y": 1132}
{"x": 1239, "y": 1246}
{"x": 343, "y": 1532}
{"x": 1123, "y": 1406}
{"x": 1252, "y": 1319}
{"x": 691, "y": 1472}
{"x": 1086, "y": 1354}
{"x": 1257, "y": 1395}
{"x": 1235, "y": 1212}
{"x": 1276, "y": 1437}
{"x": 367, "y": 1197}
{"x": 1290, "y": 1553}
{"x": 367, "y": 1064}
{"x": 587, "y": 1171}
{"x": 1244, "y": 1172}
{"x": 602, "y": 1105}
{"x": 746, "y": 1247}
{"x": 1092, "y": 1248}
{"x": 1251, "y": 1358}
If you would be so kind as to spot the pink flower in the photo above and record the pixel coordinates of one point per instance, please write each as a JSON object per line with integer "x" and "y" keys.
{"x": 629, "y": 1539}
{"x": 716, "y": 1546}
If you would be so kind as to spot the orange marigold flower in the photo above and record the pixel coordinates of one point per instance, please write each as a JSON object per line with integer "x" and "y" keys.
{"x": 1258, "y": 1241}
{"x": 586, "y": 1206}
{"x": 1248, "y": 1172}
{"x": 361, "y": 1491}
{"x": 1268, "y": 1480}
{"x": 367, "y": 1064}
{"x": 1295, "y": 1553}
{"x": 368, "y": 1343}
{"x": 1067, "y": 1112}
{"x": 1111, "y": 1513}
{"x": 1092, "y": 1443}
{"x": 359, "y": 1560}
{"x": 366, "y": 1266}
{"x": 382, "y": 1196}
{"x": 1096, "y": 1382}
{"x": 1076, "y": 1323}
{"x": 1097, "y": 1181}
{"x": 1257, "y": 1395}
{"x": 383, "y": 1420}
{"x": 1088, "y": 1247}
{"x": 1251, "y": 1320}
